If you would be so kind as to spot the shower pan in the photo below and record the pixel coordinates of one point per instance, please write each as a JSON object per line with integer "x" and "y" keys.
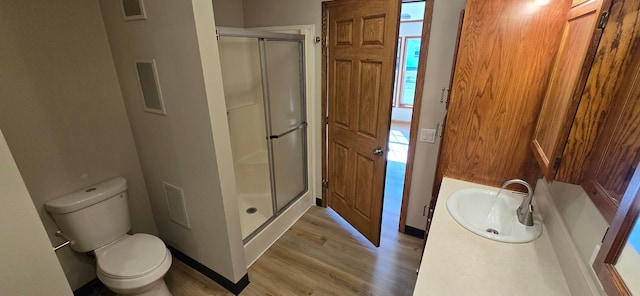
{"x": 264, "y": 87}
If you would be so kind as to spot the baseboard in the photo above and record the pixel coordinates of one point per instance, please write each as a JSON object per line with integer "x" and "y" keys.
{"x": 234, "y": 288}
{"x": 576, "y": 272}
{"x": 90, "y": 288}
{"x": 412, "y": 231}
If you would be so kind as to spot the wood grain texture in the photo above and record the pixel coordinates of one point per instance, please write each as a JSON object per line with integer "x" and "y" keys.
{"x": 577, "y": 2}
{"x": 362, "y": 93}
{"x": 611, "y": 61}
{"x": 320, "y": 255}
{"x": 571, "y": 68}
{"x": 616, "y": 238}
{"x": 415, "y": 116}
{"x": 504, "y": 60}
{"x": 617, "y": 151}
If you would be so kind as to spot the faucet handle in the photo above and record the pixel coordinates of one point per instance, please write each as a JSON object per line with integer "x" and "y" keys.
{"x": 525, "y": 216}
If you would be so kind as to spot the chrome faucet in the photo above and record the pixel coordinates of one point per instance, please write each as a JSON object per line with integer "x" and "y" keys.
{"x": 525, "y": 210}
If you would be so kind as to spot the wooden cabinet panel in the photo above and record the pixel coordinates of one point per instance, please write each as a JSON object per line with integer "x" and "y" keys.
{"x": 502, "y": 69}
{"x": 577, "y": 2}
{"x": 616, "y": 154}
{"x": 578, "y": 46}
{"x": 611, "y": 61}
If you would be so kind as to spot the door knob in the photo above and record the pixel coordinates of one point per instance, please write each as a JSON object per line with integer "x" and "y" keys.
{"x": 378, "y": 151}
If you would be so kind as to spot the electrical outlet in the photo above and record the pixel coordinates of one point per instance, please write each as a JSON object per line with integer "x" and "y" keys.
{"x": 427, "y": 135}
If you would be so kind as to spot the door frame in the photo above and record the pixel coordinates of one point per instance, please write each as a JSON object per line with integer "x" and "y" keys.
{"x": 415, "y": 116}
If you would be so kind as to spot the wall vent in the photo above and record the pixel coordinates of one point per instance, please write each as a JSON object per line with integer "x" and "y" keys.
{"x": 176, "y": 204}
{"x": 150, "y": 86}
{"x": 133, "y": 10}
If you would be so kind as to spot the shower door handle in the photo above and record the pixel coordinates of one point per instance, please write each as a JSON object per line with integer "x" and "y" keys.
{"x": 378, "y": 151}
{"x": 302, "y": 125}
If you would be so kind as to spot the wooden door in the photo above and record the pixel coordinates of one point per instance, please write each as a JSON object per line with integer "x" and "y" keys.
{"x": 573, "y": 62}
{"x": 361, "y": 51}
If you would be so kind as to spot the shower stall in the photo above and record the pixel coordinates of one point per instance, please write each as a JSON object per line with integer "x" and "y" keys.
{"x": 264, "y": 87}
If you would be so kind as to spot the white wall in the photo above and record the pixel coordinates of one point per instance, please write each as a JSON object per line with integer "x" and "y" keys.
{"x": 29, "y": 265}
{"x": 228, "y": 13}
{"x": 583, "y": 220}
{"x": 189, "y": 147}
{"x": 575, "y": 228}
{"x": 62, "y": 112}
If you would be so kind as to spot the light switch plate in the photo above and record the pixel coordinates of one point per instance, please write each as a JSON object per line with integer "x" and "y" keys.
{"x": 427, "y": 135}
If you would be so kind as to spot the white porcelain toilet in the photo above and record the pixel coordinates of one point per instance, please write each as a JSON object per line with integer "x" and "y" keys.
{"x": 96, "y": 219}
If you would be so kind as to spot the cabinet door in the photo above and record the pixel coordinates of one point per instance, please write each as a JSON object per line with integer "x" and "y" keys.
{"x": 597, "y": 100}
{"x": 617, "y": 153}
{"x": 571, "y": 68}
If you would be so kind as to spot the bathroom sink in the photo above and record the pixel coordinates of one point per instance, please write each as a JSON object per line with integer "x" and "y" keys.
{"x": 481, "y": 212}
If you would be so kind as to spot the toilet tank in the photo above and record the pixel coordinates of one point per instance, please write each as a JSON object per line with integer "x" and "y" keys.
{"x": 94, "y": 216}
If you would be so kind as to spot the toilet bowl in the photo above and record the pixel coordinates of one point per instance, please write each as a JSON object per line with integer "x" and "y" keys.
{"x": 134, "y": 265}
{"x": 96, "y": 219}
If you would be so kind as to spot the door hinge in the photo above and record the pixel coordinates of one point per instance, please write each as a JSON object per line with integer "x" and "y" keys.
{"x": 326, "y": 120}
{"x": 556, "y": 163}
{"x": 217, "y": 34}
{"x": 630, "y": 172}
{"x": 604, "y": 17}
{"x": 325, "y": 183}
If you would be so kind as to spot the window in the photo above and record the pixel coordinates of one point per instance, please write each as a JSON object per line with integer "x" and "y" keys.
{"x": 406, "y": 71}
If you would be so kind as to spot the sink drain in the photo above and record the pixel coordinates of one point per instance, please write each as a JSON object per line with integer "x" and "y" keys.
{"x": 491, "y": 230}
{"x": 251, "y": 210}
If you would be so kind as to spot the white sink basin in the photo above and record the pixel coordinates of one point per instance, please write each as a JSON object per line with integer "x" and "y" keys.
{"x": 481, "y": 212}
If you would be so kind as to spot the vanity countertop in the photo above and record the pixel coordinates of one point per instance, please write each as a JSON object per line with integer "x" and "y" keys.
{"x": 458, "y": 262}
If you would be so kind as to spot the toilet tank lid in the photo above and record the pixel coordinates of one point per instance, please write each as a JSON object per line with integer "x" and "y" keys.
{"x": 87, "y": 196}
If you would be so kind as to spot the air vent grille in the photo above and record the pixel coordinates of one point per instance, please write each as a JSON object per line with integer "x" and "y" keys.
{"x": 133, "y": 10}
{"x": 176, "y": 204}
{"x": 150, "y": 87}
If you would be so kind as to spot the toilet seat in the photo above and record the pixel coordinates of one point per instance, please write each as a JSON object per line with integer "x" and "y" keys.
{"x": 132, "y": 262}
{"x": 131, "y": 257}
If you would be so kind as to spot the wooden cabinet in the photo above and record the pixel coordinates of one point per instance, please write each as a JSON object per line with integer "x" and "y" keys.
{"x": 602, "y": 148}
{"x": 611, "y": 61}
{"x": 503, "y": 65}
{"x": 577, "y": 2}
{"x": 580, "y": 38}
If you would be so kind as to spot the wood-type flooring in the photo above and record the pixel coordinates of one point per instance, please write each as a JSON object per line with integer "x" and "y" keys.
{"x": 321, "y": 255}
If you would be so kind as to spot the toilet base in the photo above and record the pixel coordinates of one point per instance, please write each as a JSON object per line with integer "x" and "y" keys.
{"x": 157, "y": 288}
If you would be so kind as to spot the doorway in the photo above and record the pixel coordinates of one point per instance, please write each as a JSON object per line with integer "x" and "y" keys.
{"x": 403, "y": 105}
{"x": 357, "y": 95}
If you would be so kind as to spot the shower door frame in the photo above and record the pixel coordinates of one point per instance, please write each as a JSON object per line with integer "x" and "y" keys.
{"x": 263, "y": 37}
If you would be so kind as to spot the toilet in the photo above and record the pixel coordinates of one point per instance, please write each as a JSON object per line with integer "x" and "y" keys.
{"x": 96, "y": 219}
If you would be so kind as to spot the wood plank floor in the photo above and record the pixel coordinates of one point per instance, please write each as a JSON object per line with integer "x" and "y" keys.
{"x": 321, "y": 255}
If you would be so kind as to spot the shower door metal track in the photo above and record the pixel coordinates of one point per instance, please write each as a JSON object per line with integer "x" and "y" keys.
{"x": 248, "y": 33}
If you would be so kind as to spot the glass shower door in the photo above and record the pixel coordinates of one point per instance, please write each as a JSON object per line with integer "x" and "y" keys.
{"x": 287, "y": 126}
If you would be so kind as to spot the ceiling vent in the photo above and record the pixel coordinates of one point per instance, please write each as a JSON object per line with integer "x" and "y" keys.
{"x": 133, "y": 10}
